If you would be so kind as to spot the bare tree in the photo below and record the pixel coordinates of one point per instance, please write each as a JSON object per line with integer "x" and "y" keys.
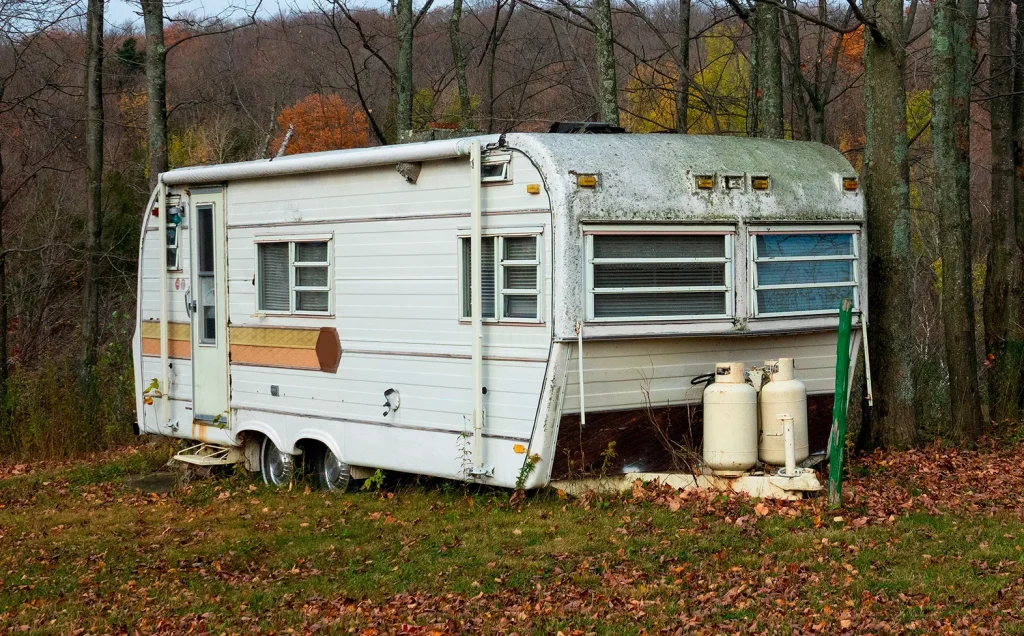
{"x": 406, "y": 21}
{"x": 459, "y": 60}
{"x": 887, "y": 187}
{"x": 683, "y": 81}
{"x": 156, "y": 87}
{"x": 764, "y": 112}
{"x": 604, "y": 38}
{"x": 953, "y": 63}
{"x": 1003, "y": 254}
{"x": 94, "y": 169}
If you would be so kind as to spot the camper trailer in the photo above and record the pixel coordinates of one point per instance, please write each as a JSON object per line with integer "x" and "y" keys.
{"x": 508, "y": 309}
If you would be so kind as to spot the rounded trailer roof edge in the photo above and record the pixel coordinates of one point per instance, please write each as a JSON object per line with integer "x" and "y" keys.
{"x": 326, "y": 161}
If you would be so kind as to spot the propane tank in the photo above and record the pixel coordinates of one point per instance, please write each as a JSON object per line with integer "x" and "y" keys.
{"x": 782, "y": 396}
{"x": 730, "y": 421}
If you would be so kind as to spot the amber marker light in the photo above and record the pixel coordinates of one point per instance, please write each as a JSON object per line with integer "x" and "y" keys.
{"x": 759, "y": 183}
{"x": 586, "y": 180}
{"x": 850, "y": 184}
{"x": 704, "y": 182}
{"x": 533, "y": 188}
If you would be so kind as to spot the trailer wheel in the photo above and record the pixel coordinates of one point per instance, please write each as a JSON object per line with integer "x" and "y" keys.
{"x": 330, "y": 472}
{"x": 276, "y": 466}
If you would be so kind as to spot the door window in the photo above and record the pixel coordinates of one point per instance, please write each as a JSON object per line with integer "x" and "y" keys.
{"x": 206, "y": 275}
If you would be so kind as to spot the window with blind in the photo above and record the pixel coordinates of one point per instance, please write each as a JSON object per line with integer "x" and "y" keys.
{"x": 510, "y": 278}
{"x": 294, "y": 277}
{"x": 659, "y": 276}
{"x": 803, "y": 273}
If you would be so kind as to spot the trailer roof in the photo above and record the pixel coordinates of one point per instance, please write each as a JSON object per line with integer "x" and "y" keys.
{"x": 640, "y": 177}
{"x": 652, "y": 177}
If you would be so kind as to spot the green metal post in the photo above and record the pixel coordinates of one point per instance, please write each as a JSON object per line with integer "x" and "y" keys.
{"x": 837, "y": 438}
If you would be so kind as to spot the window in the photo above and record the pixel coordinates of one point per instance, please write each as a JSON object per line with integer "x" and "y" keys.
{"x": 803, "y": 273}
{"x": 293, "y": 277}
{"x": 496, "y": 169}
{"x": 659, "y": 276}
{"x": 206, "y": 275}
{"x": 514, "y": 293}
{"x": 172, "y": 248}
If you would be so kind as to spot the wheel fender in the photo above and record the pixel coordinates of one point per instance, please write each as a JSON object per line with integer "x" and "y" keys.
{"x": 255, "y": 426}
{"x": 323, "y": 438}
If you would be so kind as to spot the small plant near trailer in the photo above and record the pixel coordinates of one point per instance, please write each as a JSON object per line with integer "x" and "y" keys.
{"x": 465, "y": 457}
{"x": 529, "y": 464}
{"x": 608, "y": 456}
{"x": 375, "y": 482}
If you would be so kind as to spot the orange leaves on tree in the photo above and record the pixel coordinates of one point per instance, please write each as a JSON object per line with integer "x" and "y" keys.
{"x": 322, "y": 122}
{"x": 851, "y": 51}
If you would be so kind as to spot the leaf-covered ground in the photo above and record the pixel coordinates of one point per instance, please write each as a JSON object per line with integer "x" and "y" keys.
{"x": 929, "y": 542}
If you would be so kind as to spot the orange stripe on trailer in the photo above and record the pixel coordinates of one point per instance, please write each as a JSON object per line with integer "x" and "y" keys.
{"x": 181, "y": 349}
{"x": 275, "y": 357}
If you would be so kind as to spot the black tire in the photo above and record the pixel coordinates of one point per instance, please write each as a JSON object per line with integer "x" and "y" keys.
{"x": 329, "y": 472}
{"x": 276, "y": 466}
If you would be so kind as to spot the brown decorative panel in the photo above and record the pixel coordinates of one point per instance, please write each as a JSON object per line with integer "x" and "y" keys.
{"x": 286, "y": 347}
{"x": 328, "y": 349}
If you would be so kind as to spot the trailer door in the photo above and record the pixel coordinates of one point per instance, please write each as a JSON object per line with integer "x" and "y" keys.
{"x": 209, "y": 308}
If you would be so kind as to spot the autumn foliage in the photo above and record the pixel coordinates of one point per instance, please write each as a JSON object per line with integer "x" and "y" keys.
{"x": 322, "y": 122}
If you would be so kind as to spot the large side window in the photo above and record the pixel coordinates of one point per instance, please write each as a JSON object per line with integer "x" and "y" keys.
{"x": 510, "y": 278}
{"x": 802, "y": 273}
{"x": 659, "y": 276}
{"x": 293, "y": 277}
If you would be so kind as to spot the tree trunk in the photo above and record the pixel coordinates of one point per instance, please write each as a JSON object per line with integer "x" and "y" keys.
{"x": 156, "y": 87}
{"x": 954, "y": 226}
{"x": 683, "y": 82}
{"x": 403, "y": 70}
{"x": 1003, "y": 370}
{"x": 459, "y": 56}
{"x": 94, "y": 178}
{"x": 4, "y": 363}
{"x": 492, "y": 60}
{"x": 886, "y": 181}
{"x": 607, "y": 81}
{"x": 1015, "y": 341}
{"x": 801, "y": 112}
{"x": 768, "y": 91}
{"x": 1018, "y": 148}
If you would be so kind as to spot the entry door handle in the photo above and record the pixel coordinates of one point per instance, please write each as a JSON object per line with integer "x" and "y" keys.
{"x": 190, "y": 303}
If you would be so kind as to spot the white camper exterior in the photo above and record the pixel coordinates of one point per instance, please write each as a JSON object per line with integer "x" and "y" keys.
{"x": 326, "y": 302}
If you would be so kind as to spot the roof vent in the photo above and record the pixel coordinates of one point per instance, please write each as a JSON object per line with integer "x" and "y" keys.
{"x": 577, "y": 127}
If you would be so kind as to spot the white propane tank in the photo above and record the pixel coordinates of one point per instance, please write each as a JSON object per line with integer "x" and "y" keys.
{"x": 782, "y": 396}
{"x": 730, "y": 421}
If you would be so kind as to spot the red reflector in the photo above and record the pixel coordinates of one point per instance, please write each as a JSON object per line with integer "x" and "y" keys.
{"x": 155, "y": 212}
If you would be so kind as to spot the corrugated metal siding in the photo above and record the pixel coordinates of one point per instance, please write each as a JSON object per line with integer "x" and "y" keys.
{"x": 617, "y": 372}
{"x": 395, "y": 299}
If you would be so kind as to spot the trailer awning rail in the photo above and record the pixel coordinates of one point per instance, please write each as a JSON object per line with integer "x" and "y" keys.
{"x": 326, "y": 161}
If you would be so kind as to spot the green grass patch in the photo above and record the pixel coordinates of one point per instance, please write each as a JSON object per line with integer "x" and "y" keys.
{"x": 84, "y": 550}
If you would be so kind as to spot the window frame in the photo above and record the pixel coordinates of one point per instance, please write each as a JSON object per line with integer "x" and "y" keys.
{"x": 293, "y": 289}
{"x": 176, "y": 247}
{"x": 505, "y": 160}
{"x": 753, "y": 260}
{"x": 728, "y": 232}
{"x": 499, "y": 276}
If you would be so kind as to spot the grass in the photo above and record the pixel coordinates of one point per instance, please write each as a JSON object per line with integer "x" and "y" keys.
{"x": 80, "y": 549}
